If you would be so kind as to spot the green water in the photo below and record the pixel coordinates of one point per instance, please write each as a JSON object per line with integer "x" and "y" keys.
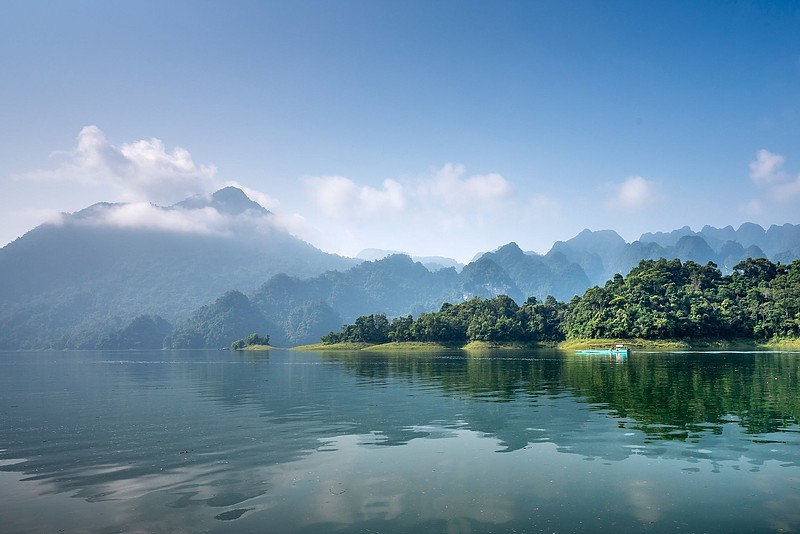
{"x": 284, "y": 441}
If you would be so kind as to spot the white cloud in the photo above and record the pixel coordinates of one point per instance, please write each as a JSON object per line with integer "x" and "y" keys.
{"x": 140, "y": 171}
{"x": 766, "y": 168}
{"x": 446, "y": 211}
{"x": 767, "y": 172}
{"x": 449, "y": 185}
{"x": 448, "y": 189}
{"x": 145, "y": 215}
{"x": 635, "y": 194}
{"x": 207, "y": 220}
{"x": 342, "y": 198}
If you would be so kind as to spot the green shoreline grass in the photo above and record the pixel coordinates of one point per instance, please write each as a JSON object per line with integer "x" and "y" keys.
{"x": 674, "y": 344}
{"x": 256, "y": 347}
{"x": 573, "y": 344}
{"x": 633, "y": 343}
{"x": 415, "y": 346}
{"x": 333, "y": 346}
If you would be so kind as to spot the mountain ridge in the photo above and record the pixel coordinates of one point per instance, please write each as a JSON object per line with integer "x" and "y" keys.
{"x": 111, "y": 272}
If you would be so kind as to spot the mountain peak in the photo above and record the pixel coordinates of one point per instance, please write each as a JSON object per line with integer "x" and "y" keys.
{"x": 229, "y": 200}
{"x": 597, "y": 240}
{"x": 510, "y": 250}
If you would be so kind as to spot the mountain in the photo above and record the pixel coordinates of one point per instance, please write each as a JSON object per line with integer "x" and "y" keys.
{"x": 432, "y": 263}
{"x": 395, "y": 285}
{"x": 539, "y": 276}
{"x": 70, "y": 284}
{"x": 232, "y": 316}
{"x": 306, "y": 309}
{"x": 778, "y": 243}
{"x": 227, "y": 201}
{"x": 145, "y": 332}
{"x": 214, "y": 268}
{"x": 484, "y": 278}
{"x": 603, "y": 253}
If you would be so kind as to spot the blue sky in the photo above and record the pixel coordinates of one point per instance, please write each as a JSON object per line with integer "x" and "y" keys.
{"x": 430, "y": 127}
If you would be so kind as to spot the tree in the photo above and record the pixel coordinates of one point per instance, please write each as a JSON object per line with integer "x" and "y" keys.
{"x": 251, "y": 340}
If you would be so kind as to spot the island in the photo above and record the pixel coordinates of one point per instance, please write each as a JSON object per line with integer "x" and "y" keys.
{"x": 252, "y": 342}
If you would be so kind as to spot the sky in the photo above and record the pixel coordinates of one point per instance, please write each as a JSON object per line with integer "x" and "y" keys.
{"x": 434, "y": 128}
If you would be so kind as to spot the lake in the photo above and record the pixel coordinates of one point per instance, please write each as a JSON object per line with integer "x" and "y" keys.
{"x": 289, "y": 441}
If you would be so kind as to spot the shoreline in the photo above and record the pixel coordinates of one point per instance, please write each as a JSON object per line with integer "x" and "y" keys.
{"x": 573, "y": 344}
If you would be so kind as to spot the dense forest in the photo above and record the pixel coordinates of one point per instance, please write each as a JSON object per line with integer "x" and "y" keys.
{"x": 658, "y": 300}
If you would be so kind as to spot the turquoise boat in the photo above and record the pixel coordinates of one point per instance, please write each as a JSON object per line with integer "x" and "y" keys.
{"x": 616, "y": 350}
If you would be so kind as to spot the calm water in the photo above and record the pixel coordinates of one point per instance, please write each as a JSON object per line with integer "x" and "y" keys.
{"x": 302, "y": 442}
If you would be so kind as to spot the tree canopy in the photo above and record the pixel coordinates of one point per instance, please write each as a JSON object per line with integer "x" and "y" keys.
{"x": 658, "y": 299}
{"x": 250, "y": 341}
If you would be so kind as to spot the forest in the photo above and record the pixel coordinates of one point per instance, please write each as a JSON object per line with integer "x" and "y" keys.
{"x": 658, "y": 300}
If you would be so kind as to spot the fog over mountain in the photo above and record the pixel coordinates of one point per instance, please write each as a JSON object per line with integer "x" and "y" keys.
{"x": 66, "y": 284}
{"x": 213, "y": 268}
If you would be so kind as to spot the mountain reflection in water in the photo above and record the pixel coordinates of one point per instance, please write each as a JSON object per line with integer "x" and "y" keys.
{"x": 215, "y": 441}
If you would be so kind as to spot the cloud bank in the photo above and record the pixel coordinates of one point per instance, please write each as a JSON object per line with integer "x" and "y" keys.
{"x": 446, "y": 211}
{"x": 140, "y": 171}
{"x": 446, "y": 195}
{"x": 342, "y": 198}
{"x": 147, "y": 216}
{"x": 204, "y": 220}
{"x": 145, "y": 175}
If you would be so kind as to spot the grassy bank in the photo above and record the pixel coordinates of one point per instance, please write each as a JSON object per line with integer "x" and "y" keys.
{"x": 414, "y": 346}
{"x": 333, "y": 347}
{"x": 407, "y": 346}
{"x": 256, "y": 347}
{"x": 677, "y": 344}
{"x": 782, "y": 344}
{"x": 488, "y": 345}
{"x": 633, "y": 343}
{"x": 573, "y": 344}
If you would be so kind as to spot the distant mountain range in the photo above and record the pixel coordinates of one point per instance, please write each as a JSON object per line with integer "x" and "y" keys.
{"x": 432, "y": 263}
{"x": 603, "y": 253}
{"x": 215, "y": 268}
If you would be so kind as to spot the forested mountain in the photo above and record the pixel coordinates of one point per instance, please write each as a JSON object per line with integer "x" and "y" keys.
{"x": 69, "y": 285}
{"x": 658, "y": 300}
{"x": 398, "y": 286}
{"x": 602, "y": 254}
{"x": 773, "y": 241}
{"x": 296, "y": 311}
{"x": 232, "y": 316}
{"x": 539, "y": 276}
{"x": 395, "y": 284}
{"x": 126, "y": 275}
{"x": 145, "y": 332}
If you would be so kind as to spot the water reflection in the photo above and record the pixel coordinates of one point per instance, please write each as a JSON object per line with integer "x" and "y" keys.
{"x": 668, "y": 396}
{"x": 210, "y": 441}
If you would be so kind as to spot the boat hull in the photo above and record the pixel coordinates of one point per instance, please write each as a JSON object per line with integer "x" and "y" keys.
{"x": 612, "y": 352}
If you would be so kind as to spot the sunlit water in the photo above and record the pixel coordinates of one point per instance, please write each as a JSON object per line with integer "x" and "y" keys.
{"x": 303, "y": 442}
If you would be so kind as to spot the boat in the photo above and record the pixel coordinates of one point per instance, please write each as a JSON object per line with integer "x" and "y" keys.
{"x": 616, "y": 350}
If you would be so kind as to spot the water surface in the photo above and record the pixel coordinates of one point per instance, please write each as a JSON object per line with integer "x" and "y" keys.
{"x": 544, "y": 441}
